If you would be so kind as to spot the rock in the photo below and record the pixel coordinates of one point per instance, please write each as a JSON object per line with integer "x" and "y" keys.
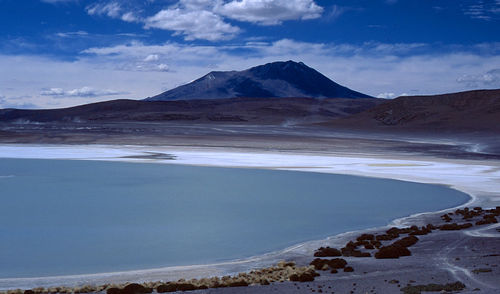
{"x": 29, "y": 292}
{"x": 377, "y": 244}
{"x": 446, "y": 217}
{"x": 392, "y": 251}
{"x": 334, "y": 271}
{"x": 486, "y": 222}
{"x": 135, "y": 289}
{"x": 417, "y": 289}
{"x": 306, "y": 277}
{"x": 367, "y": 237}
{"x": 337, "y": 263}
{"x": 327, "y": 252}
{"x": 351, "y": 251}
{"x": 430, "y": 227}
{"x": 113, "y": 291}
{"x": 348, "y": 269}
{"x": 407, "y": 241}
{"x": 239, "y": 283}
{"x": 293, "y": 278}
{"x": 186, "y": 287}
{"x": 284, "y": 264}
{"x": 318, "y": 263}
{"x": 454, "y": 226}
{"x": 386, "y": 237}
{"x": 168, "y": 287}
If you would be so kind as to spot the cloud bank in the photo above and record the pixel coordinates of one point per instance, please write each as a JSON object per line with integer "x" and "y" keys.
{"x": 80, "y": 92}
{"x": 209, "y": 19}
{"x": 138, "y": 70}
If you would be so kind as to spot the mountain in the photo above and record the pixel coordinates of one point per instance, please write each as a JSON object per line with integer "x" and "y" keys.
{"x": 229, "y": 110}
{"x": 276, "y": 79}
{"x": 477, "y": 110}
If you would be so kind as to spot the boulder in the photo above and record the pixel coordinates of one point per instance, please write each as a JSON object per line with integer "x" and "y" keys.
{"x": 455, "y": 226}
{"x": 366, "y": 237}
{"x": 392, "y": 251}
{"x": 348, "y": 269}
{"x": 113, "y": 290}
{"x": 407, "y": 241}
{"x": 327, "y": 252}
{"x": 135, "y": 288}
{"x": 168, "y": 287}
{"x": 337, "y": 263}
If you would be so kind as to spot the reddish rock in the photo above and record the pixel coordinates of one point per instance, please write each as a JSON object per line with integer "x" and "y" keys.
{"x": 135, "y": 289}
{"x": 168, "y": 287}
{"x": 455, "y": 226}
{"x": 327, "y": 252}
{"x": 366, "y": 237}
{"x": 406, "y": 241}
{"x": 337, "y": 263}
{"x": 238, "y": 284}
{"x": 392, "y": 251}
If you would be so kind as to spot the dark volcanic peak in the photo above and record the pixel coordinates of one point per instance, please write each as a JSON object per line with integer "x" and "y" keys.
{"x": 276, "y": 79}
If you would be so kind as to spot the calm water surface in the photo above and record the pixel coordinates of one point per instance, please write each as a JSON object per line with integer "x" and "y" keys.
{"x": 60, "y": 217}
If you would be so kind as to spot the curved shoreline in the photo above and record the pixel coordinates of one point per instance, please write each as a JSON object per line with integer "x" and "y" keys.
{"x": 234, "y": 266}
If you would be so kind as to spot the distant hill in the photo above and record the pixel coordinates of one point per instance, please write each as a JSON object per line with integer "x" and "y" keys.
{"x": 287, "y": 111}
{"x": 465, "y": 111}
{"x": 277, "y": 79}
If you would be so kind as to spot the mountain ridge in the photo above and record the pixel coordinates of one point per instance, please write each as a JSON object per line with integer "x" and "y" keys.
{"x": 271, "y": 80}
{"x": 475, "y": 110}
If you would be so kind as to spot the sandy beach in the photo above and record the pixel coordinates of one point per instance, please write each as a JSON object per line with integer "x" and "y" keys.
{"x": 441, "y": 257}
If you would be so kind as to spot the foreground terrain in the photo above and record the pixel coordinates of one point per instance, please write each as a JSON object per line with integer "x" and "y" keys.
{"x": 451, "y": 140}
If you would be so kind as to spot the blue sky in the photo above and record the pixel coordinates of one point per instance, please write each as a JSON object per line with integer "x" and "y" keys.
{"x": 57, "y": 53}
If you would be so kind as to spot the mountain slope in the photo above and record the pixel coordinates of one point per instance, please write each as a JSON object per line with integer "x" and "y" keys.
{"x": 229, "y": 110}
{"x": 465, "y": 111}
{"x": 277, "y": 79}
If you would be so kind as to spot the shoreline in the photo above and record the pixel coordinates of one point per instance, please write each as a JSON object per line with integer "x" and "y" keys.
{"x": 369, "y": 165}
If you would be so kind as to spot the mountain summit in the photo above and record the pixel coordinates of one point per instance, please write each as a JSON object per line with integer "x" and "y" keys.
{"x": 276, "y": 79}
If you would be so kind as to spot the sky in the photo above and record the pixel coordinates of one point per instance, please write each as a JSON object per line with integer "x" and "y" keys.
{"x": 60, "y": 53}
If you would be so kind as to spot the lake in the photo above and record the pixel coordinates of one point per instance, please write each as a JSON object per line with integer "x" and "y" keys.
{"x": 61, "y": 217}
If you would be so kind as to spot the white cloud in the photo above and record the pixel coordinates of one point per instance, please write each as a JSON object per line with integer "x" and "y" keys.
{"x": 490, "y": 78}
{"x": 72, "y": 34}
{"x": 386, "y": 95}
{"x": 111, "y": 9}
{"x": 129, "y": 17}
{"x": 151, "y": 57}
{"x": 80, "y": 92}
{"x": 193, "y": 24}
{"x": 15, "y": 102}
{"x": 162, "y": 67}
{"x": 483, "y": 10}
{"x": 390, "y": 95}
{"x": 269, "y": 12}
{"x": 206, "y": 19}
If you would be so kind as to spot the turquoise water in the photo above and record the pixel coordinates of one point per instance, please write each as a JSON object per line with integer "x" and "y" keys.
{"x": 60, "y": 217}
